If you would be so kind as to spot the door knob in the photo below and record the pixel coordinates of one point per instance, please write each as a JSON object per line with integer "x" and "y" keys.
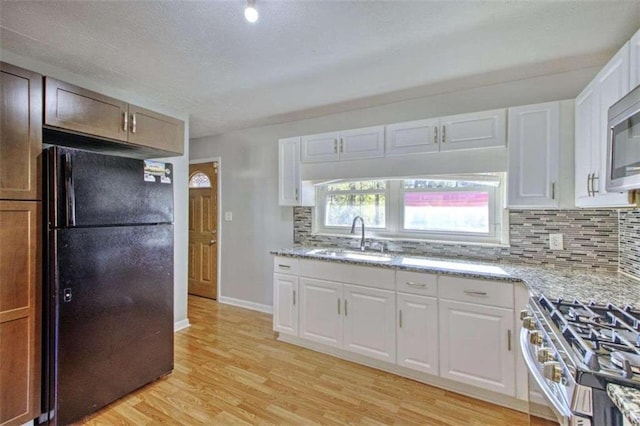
{"x": 212, "y": 242}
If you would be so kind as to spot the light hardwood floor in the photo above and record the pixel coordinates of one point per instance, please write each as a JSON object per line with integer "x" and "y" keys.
{"x": 230, "y": 370}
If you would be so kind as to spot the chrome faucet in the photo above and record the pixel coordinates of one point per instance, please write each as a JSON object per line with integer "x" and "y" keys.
{"x": 353, "y": 230}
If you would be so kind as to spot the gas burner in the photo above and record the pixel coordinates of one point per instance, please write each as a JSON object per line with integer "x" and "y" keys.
{"x": 604, "y": 337}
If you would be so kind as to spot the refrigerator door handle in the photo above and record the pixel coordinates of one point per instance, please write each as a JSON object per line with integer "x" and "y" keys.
{"x": 69, "y": 191}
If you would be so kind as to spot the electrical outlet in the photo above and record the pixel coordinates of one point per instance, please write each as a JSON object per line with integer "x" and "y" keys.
{"x": 556, "y": 242}
{"x": 228, "y": 216}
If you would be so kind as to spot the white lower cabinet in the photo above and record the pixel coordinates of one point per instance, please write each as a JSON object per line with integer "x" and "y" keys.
{"x": 358, "y": 319}
{"x": 418, "y": 332}
{"x": 370, "y": 322}
{"x": 321, "y": 311}
{"x": 476, "y": 345}
{"x": 285, "y": 295}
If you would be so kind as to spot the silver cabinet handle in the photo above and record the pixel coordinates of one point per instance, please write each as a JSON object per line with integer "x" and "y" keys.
{"x": 345, "y": 307}
{"x": 125, "y": 121}
{"x": 294, "y": 298}
{"x": 338, "y": 306}
{"x": 335, "y": 146}
{"x": 444, "y": 134}
{"x": 134, "y": 122}
{"x": 297, "y": 194}
{"x": 475, "y": 293}
{"x": 553, "y": 190}
{"x": 280, "y": 265}
{"x": 509, "y": 340}
{"x": 400, "y": 318}
{"x": 341, "y": 145}
{"x": 435, "y": 135}
{"x": 589, "y": 185}
{"x": 416, "y": 285}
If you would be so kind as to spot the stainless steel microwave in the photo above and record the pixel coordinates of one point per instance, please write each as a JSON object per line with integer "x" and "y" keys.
{"x": 623, "y": 150}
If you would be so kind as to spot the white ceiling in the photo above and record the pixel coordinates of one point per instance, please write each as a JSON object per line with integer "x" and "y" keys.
{"x": 303, "y": 57}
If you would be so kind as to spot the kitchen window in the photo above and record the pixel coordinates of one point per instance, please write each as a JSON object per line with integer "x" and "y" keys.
{"x": 464, "y": 208}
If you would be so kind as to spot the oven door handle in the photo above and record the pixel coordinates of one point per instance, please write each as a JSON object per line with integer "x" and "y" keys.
{"x": 562, "y": 411}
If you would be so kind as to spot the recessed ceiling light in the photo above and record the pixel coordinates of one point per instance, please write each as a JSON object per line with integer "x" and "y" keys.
{"x": 250, "y": 12}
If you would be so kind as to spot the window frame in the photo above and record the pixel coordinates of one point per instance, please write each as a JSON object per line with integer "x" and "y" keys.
{"x": 394, "y": 212}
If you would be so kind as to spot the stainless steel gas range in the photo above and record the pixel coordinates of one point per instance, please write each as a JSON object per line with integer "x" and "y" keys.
{"x": 573, "y": 350}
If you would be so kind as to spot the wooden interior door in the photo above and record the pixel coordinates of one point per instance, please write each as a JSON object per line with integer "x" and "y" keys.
{"x": 203, "y": 230}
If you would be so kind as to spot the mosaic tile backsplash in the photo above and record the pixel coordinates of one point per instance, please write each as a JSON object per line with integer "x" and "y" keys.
{"x": 630, "y": 242}
{"x": 590, "y": 239}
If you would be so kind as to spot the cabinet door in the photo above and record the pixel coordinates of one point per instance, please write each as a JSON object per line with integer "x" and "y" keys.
{"x": 413, "y": 137}
{"x": 285, "y": 308}
{"x": 586, "y": 129}
{"x": 362, "y": 143}
{"x": 320, "y": 312}
{"x": 150, "y": 129}
{"x": 288, "y": 171}
{"x": 20, "y": 133}
{"x": 19, "y": 311}
{"x": 476, "y": 130}
{"x": 534, "y": 151}
{"x": 634, "y": 61}
{"x": 418, "y": 332}
{"x": 73, "y": 108}
{"x": 370, "y": 322}
{"x": 476, "y": 346}
{"x": 320, "y": 147}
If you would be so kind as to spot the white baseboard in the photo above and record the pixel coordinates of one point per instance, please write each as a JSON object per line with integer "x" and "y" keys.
{"x": 181, "y": 325}
{"x": 246, "y": 304}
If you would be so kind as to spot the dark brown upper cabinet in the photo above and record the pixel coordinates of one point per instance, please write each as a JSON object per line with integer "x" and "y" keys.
{"x": 71, "y": 108}
{"x": 20, "y": 133}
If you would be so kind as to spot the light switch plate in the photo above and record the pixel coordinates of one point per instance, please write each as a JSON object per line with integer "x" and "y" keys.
{"x": 228, "y": 216}
{"x": 556, "y": 242}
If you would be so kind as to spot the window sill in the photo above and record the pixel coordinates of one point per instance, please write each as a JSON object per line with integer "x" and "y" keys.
{"x": 448, "y": 242}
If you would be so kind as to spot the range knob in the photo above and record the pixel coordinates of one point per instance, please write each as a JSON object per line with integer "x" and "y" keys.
{"x": 552, "y": 371}
{"x": 545, "y": 355}
{"x": 524, "y": 313}
{"x": 535, "y": 338}
{"x": 529, "y": 323}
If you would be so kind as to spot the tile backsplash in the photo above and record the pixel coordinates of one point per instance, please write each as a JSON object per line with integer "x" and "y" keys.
{"x": 591, "y": 239}
{"x": 630, "y": 242}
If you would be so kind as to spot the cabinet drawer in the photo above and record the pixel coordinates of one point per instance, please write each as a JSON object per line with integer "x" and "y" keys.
{"x": 285, "y": 265}
{"x": 483, "y": 292}
{"x": 417, "y": 283}
{"x": 350, "y": 274}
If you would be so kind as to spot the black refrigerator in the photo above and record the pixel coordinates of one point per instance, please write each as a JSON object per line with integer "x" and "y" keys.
{"x": 108, "y": 279}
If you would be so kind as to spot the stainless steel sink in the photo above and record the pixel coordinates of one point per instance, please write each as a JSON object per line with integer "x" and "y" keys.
{"x": 352, "y": 254}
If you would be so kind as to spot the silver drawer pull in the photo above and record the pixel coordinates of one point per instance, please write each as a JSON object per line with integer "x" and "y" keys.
{"x": 417, "y": 285}
{"x": 284, "y": 266}
{"x": 475, "y": 293}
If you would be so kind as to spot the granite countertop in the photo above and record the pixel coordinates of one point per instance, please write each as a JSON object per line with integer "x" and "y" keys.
{"x": 584, "y": 285}
{"x": 627, "y": 400}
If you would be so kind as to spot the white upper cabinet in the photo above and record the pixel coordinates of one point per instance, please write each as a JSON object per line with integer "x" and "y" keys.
{"x": 592, "y": 107}
{"x": 413, "y": 137}
{"x": 475, "y": 130}
{"x": 634, "y": 61}
{"x": 353, "y": 144}
{"x": 483, "y": 129}
{"x": 291, "y": 190}
{"x": 362, "y": 143}
{"x": 534, "y": 152}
